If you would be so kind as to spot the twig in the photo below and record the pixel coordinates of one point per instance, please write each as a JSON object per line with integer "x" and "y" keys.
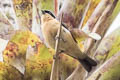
{"x": 56, "y": 6}
{"x": 83, "y": 17}
{"x": 98, "y": 77}
{"x": 55, "y": 67}
{"x": 106, "y": 56}
{"x": 39, "y": 15}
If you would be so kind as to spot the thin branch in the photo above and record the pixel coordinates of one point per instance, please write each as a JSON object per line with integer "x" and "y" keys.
{"x": 106, "y": 56}
{"x": 56, "y": 7}
{"x": 98, "y": 77}
{"x": 83, "y": 17}
{"x": 55, "y": 67}
{"x": 73, "y": 13}
{"x": 39, "y": 15}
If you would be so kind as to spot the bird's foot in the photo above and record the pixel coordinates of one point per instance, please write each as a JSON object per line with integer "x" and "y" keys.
{"x": 61, "y": 39}
{"x": 56, "y": 55}
{"x": 57, "y": 37}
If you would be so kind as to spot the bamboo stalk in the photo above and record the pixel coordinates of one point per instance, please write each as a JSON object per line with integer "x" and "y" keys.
{"x": 83, "y": 17}
{"x": 97, "y": 13}
{"x": 101, "y": 26}
{"x": 108, "y": 67}
{"x": 56, "y": 7}
{"x": 106, "y": 45}
{"x": 71, "y": 10}
{"x": 55, "y": 66}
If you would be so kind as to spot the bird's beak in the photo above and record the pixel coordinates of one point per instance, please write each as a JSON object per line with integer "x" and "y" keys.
{"x": 43, "y": 12}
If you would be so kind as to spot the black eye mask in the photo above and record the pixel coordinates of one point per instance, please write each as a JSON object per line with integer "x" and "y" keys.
{"x": 49, "y": 12}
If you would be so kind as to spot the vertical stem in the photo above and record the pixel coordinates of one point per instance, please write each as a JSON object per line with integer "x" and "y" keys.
{"x": 73, "y": 11}
{"x": 83, "y": 17}
{"x": 55, "y": 67}
{"x": 56, "y": 6}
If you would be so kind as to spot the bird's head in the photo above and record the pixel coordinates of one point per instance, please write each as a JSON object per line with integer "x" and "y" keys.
{"x": 46, "y": 16}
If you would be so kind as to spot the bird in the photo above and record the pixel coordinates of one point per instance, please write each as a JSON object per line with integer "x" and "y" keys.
{"x": 67, "y": 43}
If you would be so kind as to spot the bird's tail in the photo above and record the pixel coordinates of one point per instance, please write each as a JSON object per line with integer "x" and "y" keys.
{"x": 88, "y": 63}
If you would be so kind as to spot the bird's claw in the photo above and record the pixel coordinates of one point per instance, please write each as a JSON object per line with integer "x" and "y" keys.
{"x": 61, "y": 39}
{"x": 57, "y": 55}
{"x": 57, "y": 37}
{"x": 54, "y": 56}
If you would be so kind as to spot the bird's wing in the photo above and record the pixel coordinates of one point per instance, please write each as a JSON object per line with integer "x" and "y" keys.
{"x": 93, "y": 35}
{"x": 70, "y": 32}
